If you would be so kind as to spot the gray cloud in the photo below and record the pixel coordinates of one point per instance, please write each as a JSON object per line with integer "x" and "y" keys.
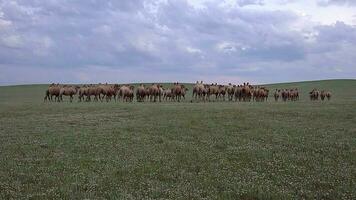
{"x": 250, "y": 2}
{"x": 336, "y": 2}
{"x": 94, "y": 41}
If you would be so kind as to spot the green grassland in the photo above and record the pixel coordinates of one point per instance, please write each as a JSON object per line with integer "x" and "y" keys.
{"x": 171, "y": 150}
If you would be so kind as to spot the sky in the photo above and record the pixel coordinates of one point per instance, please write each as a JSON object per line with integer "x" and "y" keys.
{"x": 260, "y": 41}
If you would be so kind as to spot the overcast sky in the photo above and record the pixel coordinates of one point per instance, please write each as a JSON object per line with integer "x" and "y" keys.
{"x": 261, "y": 41}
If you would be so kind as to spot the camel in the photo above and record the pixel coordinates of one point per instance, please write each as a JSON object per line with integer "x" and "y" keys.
{"x": 222, "y": 92}
{"x": 140, "y": 93}
{"x": 126, "y": 92}
{"x": 230, "y": 91}
{"x": 314, "y": 95}
{"x": 68, "y": 91}
{"x": 155, "y": 92}
{"x": 213, "y": 90}
{"x": 177, "y": 91}
{"x": 199, "y": 91}
{"x": 276, "y": 94}
{"x": 53, "y": 90}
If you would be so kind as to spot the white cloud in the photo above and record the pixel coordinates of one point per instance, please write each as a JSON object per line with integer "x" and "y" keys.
{"x": 4, "y": 24}
{"x": 226, "y": 47}
{"x": 193, "y": 50}
{"x": 230, "y": 47}
{"x": 319, "y": 14}
{"x": 12, "y": 41}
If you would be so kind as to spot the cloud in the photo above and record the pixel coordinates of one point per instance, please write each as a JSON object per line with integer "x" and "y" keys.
{"x": 12, "y": 41}
{"x": 337, "y": 2}
{"x": 336, "y": 33}
{"x": 4, "y": 24}
{"x": 250, "y": 2}
{"x": 193, "y": 50}
{"x": 84, "y": 41}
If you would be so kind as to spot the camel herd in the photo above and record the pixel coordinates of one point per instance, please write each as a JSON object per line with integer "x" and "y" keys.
{"x": 245, "y": 92}
{"x": 126, "y": 93}
{"x": 177, "y": 92}
{"x": 315, "y": 94}
{"x": 58, "y": 91}
{"x": 286, "y": 94}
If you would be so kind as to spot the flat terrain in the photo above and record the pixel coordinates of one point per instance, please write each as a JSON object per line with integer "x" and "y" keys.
{"x": 215, "y": 150}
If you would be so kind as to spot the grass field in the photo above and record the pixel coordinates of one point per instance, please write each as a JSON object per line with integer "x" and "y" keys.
{"x": 215, "y": 150}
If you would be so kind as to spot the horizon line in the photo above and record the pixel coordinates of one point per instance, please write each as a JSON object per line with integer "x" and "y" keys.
{"x": 9, "y": 85}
